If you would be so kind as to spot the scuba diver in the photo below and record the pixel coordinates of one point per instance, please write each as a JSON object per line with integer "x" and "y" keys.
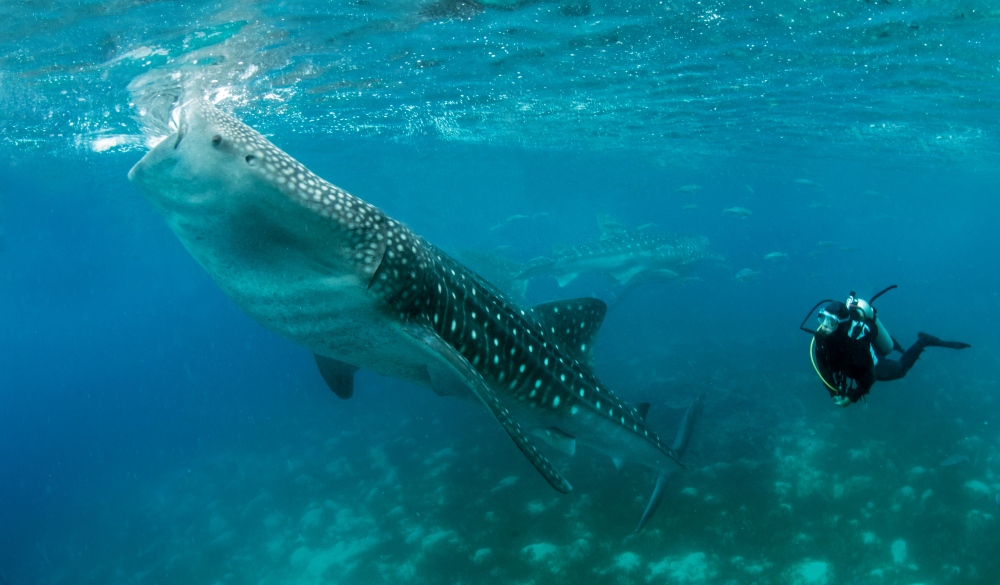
{"x": 850, "y": 348}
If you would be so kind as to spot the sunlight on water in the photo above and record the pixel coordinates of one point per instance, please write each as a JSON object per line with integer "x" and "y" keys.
{"x": 668, "y": 76}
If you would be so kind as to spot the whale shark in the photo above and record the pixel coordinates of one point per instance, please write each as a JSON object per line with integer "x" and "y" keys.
{"x": 335, "y": 274}
{"x": 628, "y": 256}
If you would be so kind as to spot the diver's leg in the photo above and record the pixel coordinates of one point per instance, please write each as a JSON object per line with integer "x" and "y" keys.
{"x": 893, "y": 370}
{"x": 887, "y": 369}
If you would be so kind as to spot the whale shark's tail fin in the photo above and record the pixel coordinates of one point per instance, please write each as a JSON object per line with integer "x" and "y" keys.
{"x": 679, "y": 446}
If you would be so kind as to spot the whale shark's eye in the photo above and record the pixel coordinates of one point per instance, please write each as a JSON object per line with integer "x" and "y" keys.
{"x": 216, "y": 140}
{"x": 251, "y": 160}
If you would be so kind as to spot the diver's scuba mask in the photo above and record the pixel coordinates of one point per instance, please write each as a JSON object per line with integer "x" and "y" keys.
{"x": 828, "y": 322}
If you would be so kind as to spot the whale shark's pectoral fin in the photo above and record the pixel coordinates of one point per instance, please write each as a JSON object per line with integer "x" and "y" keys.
{"x": 337, "y": 375}
{"x": 623, "y": 276}
{"x": 459, "y": 366}
{"x": 564, "y": 279}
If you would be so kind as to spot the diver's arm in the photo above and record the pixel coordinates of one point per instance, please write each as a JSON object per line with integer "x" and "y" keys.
{"x": 863, "y": 386}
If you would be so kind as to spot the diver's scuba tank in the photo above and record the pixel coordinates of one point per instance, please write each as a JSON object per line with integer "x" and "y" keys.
{"x": 883, "y": 341}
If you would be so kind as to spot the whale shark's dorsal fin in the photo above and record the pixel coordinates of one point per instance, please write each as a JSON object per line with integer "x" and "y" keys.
{"x": 337, "y": 375}
{"x": 573, "y": 324}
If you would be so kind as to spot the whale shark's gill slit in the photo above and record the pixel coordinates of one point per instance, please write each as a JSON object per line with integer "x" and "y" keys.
{"x": 378, "y": 270}
{"x": 180, "y": 136}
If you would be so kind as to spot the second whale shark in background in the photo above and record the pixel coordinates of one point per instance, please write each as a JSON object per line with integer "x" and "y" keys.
{"x": 333, "y": 273}
{"x": 628, "y": 256}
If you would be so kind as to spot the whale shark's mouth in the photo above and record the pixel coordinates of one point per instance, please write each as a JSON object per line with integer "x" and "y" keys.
{"x": 159, "y": 99}
{"x": 176, "y": 123}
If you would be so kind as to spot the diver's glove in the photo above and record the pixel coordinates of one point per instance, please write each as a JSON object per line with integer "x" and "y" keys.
{"x": 842, "y": 401}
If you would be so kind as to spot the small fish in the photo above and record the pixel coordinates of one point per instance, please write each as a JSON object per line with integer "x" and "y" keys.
{"x": 688, "y": 188}
{"x": 610, "y": 226}
{"x": 808, "y": 183}
{"x": 954, "y": 460}
{"x": 505, "y": 482}
{"x": 508, "y": 221}
{"x": 691, "y": 207}
{"x": 738, "y": 211}
{"x": 746, "y": 274}
{"x": 519, "y": 217}
{"x": 776, "y": 256}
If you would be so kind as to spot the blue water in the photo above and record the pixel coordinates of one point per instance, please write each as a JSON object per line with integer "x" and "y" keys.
{"x": 151, "y": 433}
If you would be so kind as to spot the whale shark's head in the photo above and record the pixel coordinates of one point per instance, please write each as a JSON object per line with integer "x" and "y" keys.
{"x": 201, "y": 162}
{"x": 227, "y": 190}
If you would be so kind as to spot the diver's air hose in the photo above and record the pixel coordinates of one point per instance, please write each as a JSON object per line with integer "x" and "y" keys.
{"x": 812, "y": 358}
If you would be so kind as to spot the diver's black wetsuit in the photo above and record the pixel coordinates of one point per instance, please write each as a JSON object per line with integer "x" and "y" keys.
{"x": 846, "y": 361}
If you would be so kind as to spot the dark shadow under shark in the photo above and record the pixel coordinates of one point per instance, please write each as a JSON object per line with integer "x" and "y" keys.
{"x": 334, "y": 274}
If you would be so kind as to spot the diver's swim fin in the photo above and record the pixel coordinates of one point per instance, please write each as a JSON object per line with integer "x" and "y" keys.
{"x": 897, "y": 346}
{"x": 931, "y": 341}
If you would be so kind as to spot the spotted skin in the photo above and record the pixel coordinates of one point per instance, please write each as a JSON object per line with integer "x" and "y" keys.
{"x": 338, "y": 276}
{"x": 624, "y": 256}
